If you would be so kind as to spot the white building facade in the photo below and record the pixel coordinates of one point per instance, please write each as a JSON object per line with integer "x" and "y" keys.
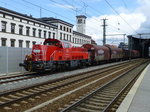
{"x": 19, "y": 30}
{"x": 65, "y": 32}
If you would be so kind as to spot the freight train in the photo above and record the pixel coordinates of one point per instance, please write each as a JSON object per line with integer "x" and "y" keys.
{"x": 56, "y": 54}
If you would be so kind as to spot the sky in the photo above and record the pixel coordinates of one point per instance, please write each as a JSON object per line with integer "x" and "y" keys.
{"x": 123, "y": 16}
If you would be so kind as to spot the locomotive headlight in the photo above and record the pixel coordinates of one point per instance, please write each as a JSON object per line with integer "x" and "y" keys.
{"x": 92, "y": 48}
{"x": 36, "y": 50}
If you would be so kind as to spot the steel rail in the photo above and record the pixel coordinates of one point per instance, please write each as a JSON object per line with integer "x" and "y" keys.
{"x": 50, "y": 89}
{"x": 74, "y": 105}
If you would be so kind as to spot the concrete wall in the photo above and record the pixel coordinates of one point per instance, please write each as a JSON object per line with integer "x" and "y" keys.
{"x": 10, "y": 57}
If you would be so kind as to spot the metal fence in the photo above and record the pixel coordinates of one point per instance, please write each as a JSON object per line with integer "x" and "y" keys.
{"x": 10, "y": 57}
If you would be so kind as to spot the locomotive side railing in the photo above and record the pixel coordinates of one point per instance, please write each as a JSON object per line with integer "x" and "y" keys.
{"x": 52, "y": 55}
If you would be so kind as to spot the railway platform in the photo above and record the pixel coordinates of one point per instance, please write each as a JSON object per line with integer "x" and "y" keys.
{"x": 138, "y": 99}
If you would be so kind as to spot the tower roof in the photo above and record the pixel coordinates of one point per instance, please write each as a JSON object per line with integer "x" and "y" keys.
{"x": 81, "y": 16}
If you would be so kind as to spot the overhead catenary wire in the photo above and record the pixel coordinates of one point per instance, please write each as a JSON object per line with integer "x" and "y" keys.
{"x": 12, "y": 6}
{"x": 48, "y": 10}
{"x": 94, "y": 11}
{"x": 120, "y": 16}
{"x": 124, "y": 4}
{"x": 36, "y": 5}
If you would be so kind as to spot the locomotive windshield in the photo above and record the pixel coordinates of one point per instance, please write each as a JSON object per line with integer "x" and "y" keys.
{"x": 50, "y": 42}
{"x": 53, "y": 42}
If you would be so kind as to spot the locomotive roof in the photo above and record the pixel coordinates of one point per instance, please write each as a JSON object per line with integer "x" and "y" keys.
{"x": 56, "y": 40}
{"x": 65, "y": 44}
{"x": 52, "y": 40}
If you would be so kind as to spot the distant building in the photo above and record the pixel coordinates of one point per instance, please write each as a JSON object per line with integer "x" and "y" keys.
{"x": 65, "y": 32}
{"x": 123, "y": 45}
{"x": 81, "y": 24}
{"x": 80, "y": 38}
{"x": 93, "y": 42}
{"x": 64, "y": 29}
{"x": 20, "y": 30}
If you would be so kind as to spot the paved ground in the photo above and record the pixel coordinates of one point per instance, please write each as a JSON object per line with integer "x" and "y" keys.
{"x": 138, "y": 99}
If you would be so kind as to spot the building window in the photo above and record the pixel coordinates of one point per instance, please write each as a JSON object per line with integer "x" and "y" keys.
{"x": 67, "y": 37}
{"x": 67, "y": 30}
{"x": 60, "y": 27}
{"x": 33, "y": 43}
{"x": 4, "y": 26}
{"x": 27, "y": 44}
{"x": 12, "y": 42}
{"x": 20, "y": 43}
{"x": 60, "y": 36}
{"x": 70, "y": 30}
{"x": 49, "y": 34}
{"x": 73, "y": 39}
{"x": 34, "y": 32}
{"x": 3, "y": 15}
{"x": 44, "y": 34}
{"x": 3, "y": 41}
{"x": 40, "y": 33}
{"x": 53, "y": 35}
{"x": 70, "y": 38}
{"x": 77, "y": 41}
{"x": 64, "y": 37}
{"x": 64, "y": 28}
{"x": 79, "y": 20}
{"x": 27, "y": 31}
{"x": 13, "y": 28}
{"x": 20, "y": 29}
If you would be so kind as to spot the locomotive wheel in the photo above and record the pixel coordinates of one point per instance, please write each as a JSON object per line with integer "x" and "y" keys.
{"x": 29, "y": 67}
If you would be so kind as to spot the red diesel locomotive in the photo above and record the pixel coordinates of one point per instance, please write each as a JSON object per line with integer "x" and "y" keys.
{"x": 56, "y": 54}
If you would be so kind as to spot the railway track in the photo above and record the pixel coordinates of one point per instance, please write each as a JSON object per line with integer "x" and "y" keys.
{"x": 17, "y": 78}
{"x": 108, "y": 97}
{"x": 14, "y": 78}
{"x": 22, "y": 99}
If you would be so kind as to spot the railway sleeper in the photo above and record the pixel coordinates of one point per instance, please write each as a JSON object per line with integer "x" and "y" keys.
{"x": 93, "y": 107}
{"x": 102, "y": 98}
{"x": 20, "y": 94}
{"x": 38, "y": 89}
{"x": 7, "y": 108}
{"x": 15, "y": 105}
{"x": 108, "y": 91}
{"x": 99, "y": 100}
{"x": 96, "y": 103}
{"x": 13, "y": 96}
{"x": 84, "y": 109}
{"x": 27, "y": 92}
{"x": 108, "y": 95}
{"x": 33, "y": 91}
{"x": 45, "y": 88}
{"x": 1, "y": 102}
{"x": 6, "y": 99}
{"x": 113, "y": 109}
{"x": 24, "y": 102}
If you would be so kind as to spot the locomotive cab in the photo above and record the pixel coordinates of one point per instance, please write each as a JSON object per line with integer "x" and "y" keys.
{"x": 53, "y": 42}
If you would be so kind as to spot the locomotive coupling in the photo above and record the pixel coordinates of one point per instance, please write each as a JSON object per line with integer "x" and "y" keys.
{"x": 22, "y": 64}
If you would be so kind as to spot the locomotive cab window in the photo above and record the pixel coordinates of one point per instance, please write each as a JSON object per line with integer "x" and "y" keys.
{"x": 54, "y": 43}
{"x": 67, "y": 45}
{"x": 50, "y": 43}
